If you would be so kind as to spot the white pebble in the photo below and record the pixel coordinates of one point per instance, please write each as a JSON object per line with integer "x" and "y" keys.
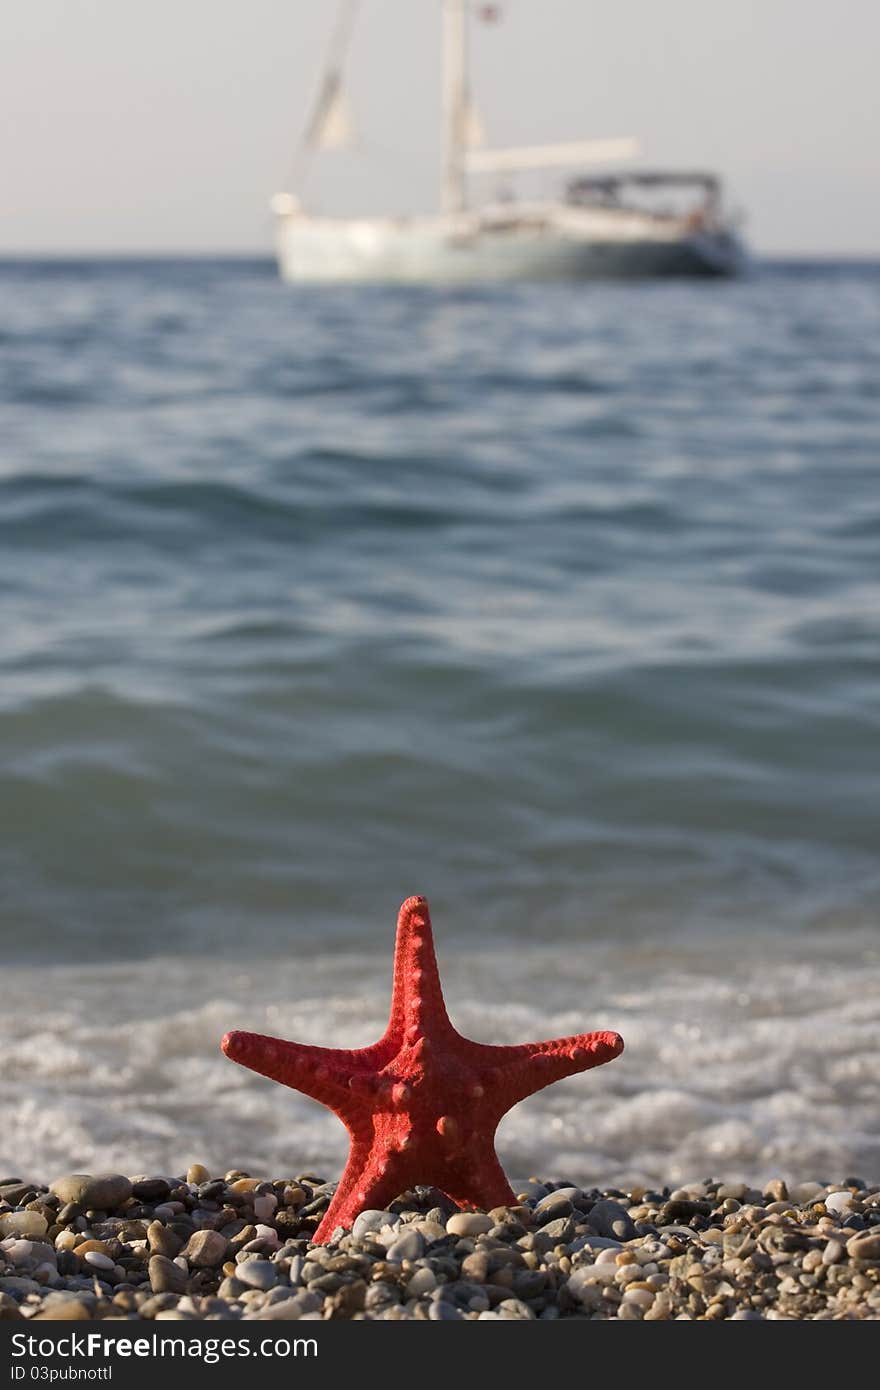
{"x": 596, "y": 1274}
{"x": 607, "y": 1257}
{"x": 643, "y": 1297}
{"x": 838, "y": 1202}
{"x": 469, "y": 1223}
{"x": 94, "y": 1257}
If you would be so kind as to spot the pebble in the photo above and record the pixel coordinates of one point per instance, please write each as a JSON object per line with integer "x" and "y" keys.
{"x": 641, "y": 1298}
{"x": 443, "y": 1311}
{"x": 166, "y": 1276}
{"x": 839, "y": 1203}
{"x": 151, "y": 1189}
{"x": 28, "y": 1252}
{"x": 257, "y": 1274}
{"x": 514, "y": 1308}
{"x": 287, "y": 1309}
{"x": 66, "y": 1310}
{"x": 423, "y": 1281}
{"x": 865, "y": 1246}
{"x": 23, "y": 1223}
{"x": 268, "y": 1235}
{"x": 609, "y": 1218}
{"x": 557, "y": 1232}
{"x": 371, "y": 1220}
{"x": 408, "y": 1246}
{"x": 469, "y": 1223}
{"x": 591, "y": 1242}
{"x": 734, "y": 1190}
{"x": 106, "y": 1192}
{"x": 97, "y": 1260}
{"x": 265, "y": 1206}
{"x": 15, "y": 1192}
{"x": 163, "y": 1241}
{"x": 206, "y": 1247}
{"x": 554, "y": 1205}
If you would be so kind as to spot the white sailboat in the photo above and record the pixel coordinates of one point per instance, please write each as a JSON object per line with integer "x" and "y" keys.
{"x": 600, "y": 229}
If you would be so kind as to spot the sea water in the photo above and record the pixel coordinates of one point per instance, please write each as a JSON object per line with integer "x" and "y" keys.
{"x": 557, "y": 604}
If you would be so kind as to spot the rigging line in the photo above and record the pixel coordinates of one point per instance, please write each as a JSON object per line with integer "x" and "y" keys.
{"x": 328, "y": 87}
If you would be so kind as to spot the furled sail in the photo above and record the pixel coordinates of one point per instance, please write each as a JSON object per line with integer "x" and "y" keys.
{"x": 331, "y": 125}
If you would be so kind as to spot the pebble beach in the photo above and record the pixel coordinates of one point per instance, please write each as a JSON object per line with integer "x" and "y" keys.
{"x": 239, "y": 1247}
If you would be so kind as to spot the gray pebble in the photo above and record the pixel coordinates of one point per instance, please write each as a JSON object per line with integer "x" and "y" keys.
{"x": 557, "y": 1232}
{"x": 371, "y": 1220}
{"x": 231, "y": 1288}
{"x": 441, "y": 1310}
{"x": 408, "y": 1246}
{"x": 257, "y": 1274}
{"x": 552, "y": 1207}
{"x": 288, "y": 1309}
{"x": 609, "y": 1218}
{"x": 423, "y": 1281}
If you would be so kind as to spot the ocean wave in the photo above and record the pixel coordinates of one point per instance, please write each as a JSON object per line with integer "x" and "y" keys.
{"x": 732, "y": 1056}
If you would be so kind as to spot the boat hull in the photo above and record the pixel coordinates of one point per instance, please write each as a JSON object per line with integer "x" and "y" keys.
{"x": 560, "y": 245}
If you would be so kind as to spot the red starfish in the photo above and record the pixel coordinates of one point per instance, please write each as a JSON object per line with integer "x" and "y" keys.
{"x": 422, "y": 1104}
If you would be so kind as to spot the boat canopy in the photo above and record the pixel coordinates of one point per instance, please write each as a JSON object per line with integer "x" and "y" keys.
{"x": 586, "y": 188}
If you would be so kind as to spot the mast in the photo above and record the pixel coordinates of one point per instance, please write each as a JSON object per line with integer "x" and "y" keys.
{"x": 454, "y": 105}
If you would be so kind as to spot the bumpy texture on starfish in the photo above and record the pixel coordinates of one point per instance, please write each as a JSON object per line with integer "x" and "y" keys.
{"x": 422, "y": 1104}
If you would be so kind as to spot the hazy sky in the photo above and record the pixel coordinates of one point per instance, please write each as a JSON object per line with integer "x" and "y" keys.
{"x": 165, "y": 124}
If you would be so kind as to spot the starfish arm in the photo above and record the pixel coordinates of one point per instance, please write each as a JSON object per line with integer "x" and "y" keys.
{"x": 357, "y": 1189}
{"x": 512, "y": 1073}
{"x": 334, "y": 1077}
{"x": 417, "y": 1005}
